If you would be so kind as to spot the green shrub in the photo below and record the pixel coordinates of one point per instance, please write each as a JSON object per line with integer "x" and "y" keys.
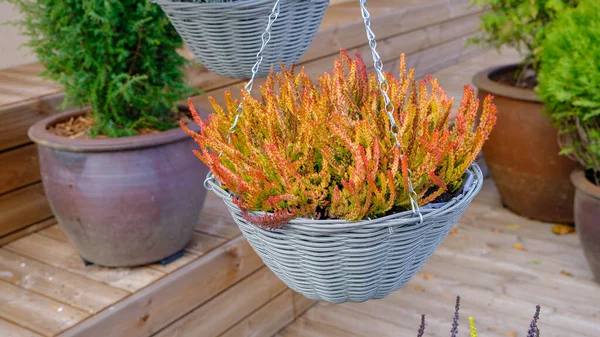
{"x": 117, "y": 56}
{"x": 569, "y": 81}
{"x": 519, "y": 24}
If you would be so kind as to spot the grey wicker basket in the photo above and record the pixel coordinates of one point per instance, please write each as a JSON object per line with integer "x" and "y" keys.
{"x": 226, "y": 36}
{"x": 340, "y": 261}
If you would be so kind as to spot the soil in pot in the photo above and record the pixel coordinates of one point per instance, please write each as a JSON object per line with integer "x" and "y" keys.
{"x": 522, "y": 151}
{"x": 122, "y": 201}
{"x": 587, "y": 216}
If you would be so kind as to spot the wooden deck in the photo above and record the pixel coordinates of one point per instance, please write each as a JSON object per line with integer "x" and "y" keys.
{"x": 221, "y": 288}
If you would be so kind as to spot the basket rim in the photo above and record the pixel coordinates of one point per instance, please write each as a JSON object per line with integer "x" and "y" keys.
{"x": 236, "y": 5}
{"x": 336, "y": 225}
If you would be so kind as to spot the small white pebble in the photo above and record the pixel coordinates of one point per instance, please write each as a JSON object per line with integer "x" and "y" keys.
{"x": 23, "y": 265}
{"x": 60, "y": 309}
{"x": 50, "y": 278}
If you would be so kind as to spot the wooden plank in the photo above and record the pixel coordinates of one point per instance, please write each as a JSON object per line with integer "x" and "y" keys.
{"x": 62, "y": 286}
{"x": 301, "y": 303}
{"x": 305, "y": 328}
{"x": 55, "y": 232}
{"x": 63, "y": 255}
{"x": 362, "y": 325}
{"x": 158, "y": 305}
{"x": 26, "y": 231}
{"x": 15, "y": 119}
{"x": 228, "y": 308}
{"x": 23, "y": 207}
{"x": 202, "y": 243}
{"x": 20, "y": 167}
{"x": 198, "y": 246}
{"x": 35, "y": 312}
{"x": 267, "y": 320}
{"x": 9, "y": 329}
{"x": 217, "y": 224}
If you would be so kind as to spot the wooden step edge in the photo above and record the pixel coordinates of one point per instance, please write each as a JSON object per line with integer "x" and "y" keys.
{"x": 152, "y": 308}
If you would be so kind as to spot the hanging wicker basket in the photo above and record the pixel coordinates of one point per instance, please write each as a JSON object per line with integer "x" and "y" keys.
{"x": 340, "y": 261}
{"x": 226, "y": 36}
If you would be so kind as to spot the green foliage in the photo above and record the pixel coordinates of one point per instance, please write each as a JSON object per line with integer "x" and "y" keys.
{"x": 117, "y": 56}
{"x": 520, "y": 24}
{"x": 569, "y": 81}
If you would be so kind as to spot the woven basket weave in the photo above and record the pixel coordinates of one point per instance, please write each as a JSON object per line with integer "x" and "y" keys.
{"x": 340, "y": 261}
{"x": 226, "y": 36}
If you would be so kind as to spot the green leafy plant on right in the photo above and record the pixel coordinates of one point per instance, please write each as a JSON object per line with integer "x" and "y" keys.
{"x": 521, "y": 25}
{"x": 569, "y": 82}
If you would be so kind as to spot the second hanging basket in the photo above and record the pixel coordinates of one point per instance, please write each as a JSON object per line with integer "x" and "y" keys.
{"x": 341, "y": 261}
{"x": 226, "y": 36}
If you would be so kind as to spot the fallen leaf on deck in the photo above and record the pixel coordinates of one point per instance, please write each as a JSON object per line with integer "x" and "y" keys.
{"x": 448, "y": 297}
{"x": 513, "y": 227}
{"x": 519, "y": 246}
{"x": 494, "y": 330}
{"x": 453, "y": 231}
{"x": 562, "y": 229}
{"x": 496, "y": 230}
{"x": 534, "y": 262}
{"x": 566, "y": 273}
{"x": 418, "y": 287}
{"x": 511, "y": 333}
{"x": 426, "y": 276}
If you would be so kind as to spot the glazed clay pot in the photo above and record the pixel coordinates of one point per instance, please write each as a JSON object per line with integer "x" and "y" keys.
{"x": 122, "y": 201}
{"x": 522, "y": 153}
{"x": 587, "y": 218}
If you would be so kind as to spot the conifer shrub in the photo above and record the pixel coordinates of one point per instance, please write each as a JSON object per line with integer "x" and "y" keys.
{"x": 569, "y": 82}
{"x": 519, "y": 24}
{"x": 117, "y": 57}
{"x": 324, "y": 148}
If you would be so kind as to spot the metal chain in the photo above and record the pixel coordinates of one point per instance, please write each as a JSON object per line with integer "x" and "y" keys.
{"x": 389, "y": 106}
{"x": 265, "y": 37}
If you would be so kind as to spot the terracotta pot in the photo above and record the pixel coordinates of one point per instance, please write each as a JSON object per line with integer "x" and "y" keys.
{"x": 522, "y": 153}
{"x": 587, "y": 218}
{"x": 122, "y": 201}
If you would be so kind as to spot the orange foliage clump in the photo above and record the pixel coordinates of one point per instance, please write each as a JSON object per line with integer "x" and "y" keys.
{"x": 324, "y": 148}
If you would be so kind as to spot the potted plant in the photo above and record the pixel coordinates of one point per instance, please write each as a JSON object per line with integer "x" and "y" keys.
{"x": 345, "y": 186}
{"x": 114, "y": 169}
{"x": 522, "y": 150}
{"x": 226, "y": 35}
{"x": 570, "y": 89}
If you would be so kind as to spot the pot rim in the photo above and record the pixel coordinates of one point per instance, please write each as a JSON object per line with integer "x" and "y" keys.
{"x": 482, "y": 80}
{"x": 39, "y": 134}
{"x": 582, "y": 184}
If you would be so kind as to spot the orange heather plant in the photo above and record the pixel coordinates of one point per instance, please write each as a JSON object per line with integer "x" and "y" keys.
{"x": 325, "y": 149}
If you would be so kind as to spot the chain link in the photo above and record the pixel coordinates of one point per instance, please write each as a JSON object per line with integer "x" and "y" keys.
{"x": 389, "y": 106}
{"x": 265, "y": 37}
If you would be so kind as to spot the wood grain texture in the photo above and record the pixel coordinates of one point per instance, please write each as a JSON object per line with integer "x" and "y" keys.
{"x": 23, "y": 207}
{"x": 158, "y": 305}
{"x": 267, "y": 320}
{"x": 63, "y": 255}
{"x": 36, "y": 312}
{"x": 228, "y": 308}
{"x": 26, "y": 231}
{"x": 20, "y": 167}
{"x": 9, "y": 329}
{"x": 57, "y": 284}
